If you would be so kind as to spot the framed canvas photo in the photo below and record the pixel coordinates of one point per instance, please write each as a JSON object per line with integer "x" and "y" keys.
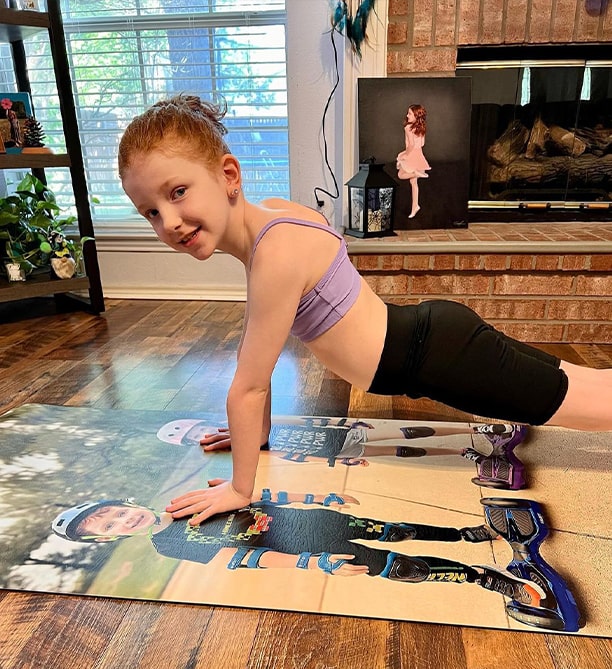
{"x": 419, "y": 129}
{"x": 14, "y": 110}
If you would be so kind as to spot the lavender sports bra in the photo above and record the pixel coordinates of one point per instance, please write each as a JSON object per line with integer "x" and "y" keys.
{"x": 332, "y": 297}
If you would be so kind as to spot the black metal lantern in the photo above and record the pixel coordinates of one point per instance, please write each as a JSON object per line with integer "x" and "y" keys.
{"x": 371, "y": 200}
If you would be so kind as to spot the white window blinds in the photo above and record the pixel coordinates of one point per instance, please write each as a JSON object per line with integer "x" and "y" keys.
{"x": 126, "y": 54}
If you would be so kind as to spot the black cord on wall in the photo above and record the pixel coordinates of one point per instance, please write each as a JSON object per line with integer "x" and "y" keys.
{"x": 317, "y": 189}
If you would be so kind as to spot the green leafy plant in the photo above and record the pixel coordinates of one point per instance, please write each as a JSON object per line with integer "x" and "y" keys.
{"x": 33, "y": 229}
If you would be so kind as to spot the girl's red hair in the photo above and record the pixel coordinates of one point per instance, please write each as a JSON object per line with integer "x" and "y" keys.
{"x": 184, "y": 124}
{"x": 419, "y": 125}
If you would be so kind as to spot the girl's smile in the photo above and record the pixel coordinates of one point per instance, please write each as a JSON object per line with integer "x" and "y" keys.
{"x": 191, "y": 239}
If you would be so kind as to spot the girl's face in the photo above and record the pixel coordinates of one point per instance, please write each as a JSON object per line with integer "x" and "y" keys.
{"x": 185, "y": 202}
{"x": 410, "y": 117}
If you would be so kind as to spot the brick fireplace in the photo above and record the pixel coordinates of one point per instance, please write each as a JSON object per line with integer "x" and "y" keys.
{"x": 557, "y": 52}
{"x": 540, "y": 282}
{"x": 537, "y": 282}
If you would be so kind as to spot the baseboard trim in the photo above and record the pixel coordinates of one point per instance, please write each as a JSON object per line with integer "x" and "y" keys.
{"x": 215, "y": 294}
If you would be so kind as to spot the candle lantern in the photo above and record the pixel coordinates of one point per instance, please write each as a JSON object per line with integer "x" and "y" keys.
{"x": 371, "y": 199}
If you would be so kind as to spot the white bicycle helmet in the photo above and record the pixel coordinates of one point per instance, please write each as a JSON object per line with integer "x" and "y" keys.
{"x": 66, "y": 523}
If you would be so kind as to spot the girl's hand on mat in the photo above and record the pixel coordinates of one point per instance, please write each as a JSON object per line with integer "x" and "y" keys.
{"x": 216, "y": 441}
{"x": 220, "y": 497}
{"x": 221, "y": 440}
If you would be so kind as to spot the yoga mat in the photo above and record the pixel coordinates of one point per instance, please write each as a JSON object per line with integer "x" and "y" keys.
{"x": 56, "y": 458}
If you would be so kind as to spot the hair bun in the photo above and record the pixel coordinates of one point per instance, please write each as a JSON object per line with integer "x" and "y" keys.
{"x": 186, "y": 120}
{"x": 195, "y": 105}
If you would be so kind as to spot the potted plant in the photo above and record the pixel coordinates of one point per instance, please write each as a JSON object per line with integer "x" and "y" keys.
{"x": 34, "y": 232}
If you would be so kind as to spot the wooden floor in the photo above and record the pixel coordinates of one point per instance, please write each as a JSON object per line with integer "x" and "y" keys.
{"x": 140, "y": 355}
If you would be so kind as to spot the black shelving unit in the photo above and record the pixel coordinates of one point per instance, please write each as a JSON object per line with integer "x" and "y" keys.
{"x": 15, "y": 26}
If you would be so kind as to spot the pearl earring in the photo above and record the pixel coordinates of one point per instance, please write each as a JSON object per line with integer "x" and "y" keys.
{"x": 235, "y": 192}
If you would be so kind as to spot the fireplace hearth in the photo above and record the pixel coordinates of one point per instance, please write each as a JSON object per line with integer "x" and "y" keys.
{"x": 541, "y": 133}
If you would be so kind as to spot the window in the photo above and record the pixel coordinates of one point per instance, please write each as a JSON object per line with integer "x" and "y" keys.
{"x": 126, "y": 54}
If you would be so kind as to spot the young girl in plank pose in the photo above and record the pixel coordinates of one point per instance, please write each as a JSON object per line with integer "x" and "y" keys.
{"x": 181, "y": 176}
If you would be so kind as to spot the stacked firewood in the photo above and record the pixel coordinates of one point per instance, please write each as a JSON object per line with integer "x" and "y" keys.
{"x": 547, "y": 152}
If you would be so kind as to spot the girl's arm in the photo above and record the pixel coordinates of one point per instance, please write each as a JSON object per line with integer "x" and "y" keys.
{"x": 276, "y": 283}
{"x": 267, "y": 423}
{"x": 221, "y": 439}
{"x": 277, "y": 279}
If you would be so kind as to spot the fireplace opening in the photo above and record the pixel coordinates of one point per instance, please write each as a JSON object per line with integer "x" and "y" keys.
{"x": 541, "y": 132}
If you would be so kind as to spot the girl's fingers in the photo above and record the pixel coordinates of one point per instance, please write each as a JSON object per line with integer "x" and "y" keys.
{"x": 221, "y": 433}
{"x": 218, "y": 498}
{"x": 217, "y": 446}
{"x": 186, "y": 497}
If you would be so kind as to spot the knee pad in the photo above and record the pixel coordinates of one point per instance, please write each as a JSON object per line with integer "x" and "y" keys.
{"x": 398, "y": 532}
{"x": 410, "y": 452}
{"x": 427, "y": 568}
{"x": 417, "y": 432}
{"x": 408, "y": 569}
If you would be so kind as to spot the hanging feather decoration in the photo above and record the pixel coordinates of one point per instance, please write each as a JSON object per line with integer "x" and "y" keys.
{"x": 355, "y": 27}
{"x": 338, "y": 17}
{"x": 360, "y": 24}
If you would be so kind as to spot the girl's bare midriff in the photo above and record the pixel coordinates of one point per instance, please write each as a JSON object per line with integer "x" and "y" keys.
{"x": 353, "y": 346}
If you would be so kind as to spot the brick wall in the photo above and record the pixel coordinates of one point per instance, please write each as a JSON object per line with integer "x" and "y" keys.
{"x": 423, "y": 35}
{"x": 536, "y": 298}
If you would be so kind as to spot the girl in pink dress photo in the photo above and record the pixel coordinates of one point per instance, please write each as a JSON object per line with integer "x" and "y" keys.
{"x": 411, "y": 163}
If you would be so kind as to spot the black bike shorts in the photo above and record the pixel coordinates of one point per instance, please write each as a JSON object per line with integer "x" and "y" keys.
{"x": 443, "y": 350}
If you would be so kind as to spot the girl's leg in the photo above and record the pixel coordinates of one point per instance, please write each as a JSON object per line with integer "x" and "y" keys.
{"x": 402, "y": 173}
{"x": 408, "y": 451}
{"x": 386, "y": 432}
{"x": 588, "y": 402}
{"x": 415, "y": 197}
{"x": 467, "y": 364}
{"x": 390, "y": 432}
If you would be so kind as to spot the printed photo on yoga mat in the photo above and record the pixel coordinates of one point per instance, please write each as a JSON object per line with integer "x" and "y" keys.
{"x": 442, "y": 522}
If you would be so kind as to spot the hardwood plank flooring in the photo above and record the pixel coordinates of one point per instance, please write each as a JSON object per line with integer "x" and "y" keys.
{"x": 171, "y": 355}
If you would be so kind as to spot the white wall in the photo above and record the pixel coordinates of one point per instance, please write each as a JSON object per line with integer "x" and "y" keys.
{"x": 135, "y": 264}
{"x": 157, "y": 273}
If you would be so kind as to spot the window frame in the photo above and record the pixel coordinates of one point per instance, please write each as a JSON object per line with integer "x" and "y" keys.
{"x": 132, "y": 223}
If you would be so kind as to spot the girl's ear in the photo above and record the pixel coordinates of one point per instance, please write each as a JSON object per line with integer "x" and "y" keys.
{"x": 231, "y": 171}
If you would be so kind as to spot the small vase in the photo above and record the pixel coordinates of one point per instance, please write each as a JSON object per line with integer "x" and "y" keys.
{"x": 64, "y": 267}
{"x": 14, "y": 271}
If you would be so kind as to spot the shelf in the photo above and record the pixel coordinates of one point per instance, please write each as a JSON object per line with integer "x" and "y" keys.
{"x": 17, "y": 25}
{"x": 10, "y": 161}
{"x": 39, "y": 286}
